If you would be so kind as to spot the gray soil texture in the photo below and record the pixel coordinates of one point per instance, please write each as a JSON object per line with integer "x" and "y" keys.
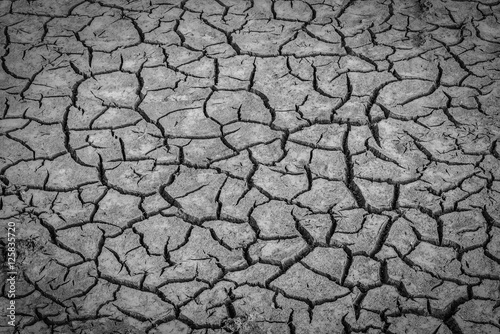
{"x": 251, "y": 166}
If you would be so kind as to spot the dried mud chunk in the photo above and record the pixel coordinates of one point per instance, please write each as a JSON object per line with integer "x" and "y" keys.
{"x": 181, "y": 292}
{"x": 306, "y": 45}
{"x": 494, "y": 243}
{"x": 329, "y": 315}
{"x": 144, "y": 141}
{"x": 279, "y": 185}
{"x": 416, "y": 194}
{"x": 293, "y": 10}
{"x": 229, "y": 106}
{"x": 237, "y": 199}
{"x": 163, "y": 100}
{"x": 54, "y": 81}
{"x": 239, "y": 166}
{"x": 65, "y": 283}
{"x": 163, "y": 233}
{"x": 328, "y": 261}
{"x": 297, "y": 282}
{"x": 412, "y": 322}
{"x": 440, "y": 260}
{"x": 400, "y": 92}
{"x": 154, "y": 204}
{"x": 349, "y": 220}
{"x": 139, "y": 176}
{"x": 196, "y": 191}
{"x": 401, "y": 236}
{"x": 235, "y": 72}
{"x": 368, "y": 166}
{"x": 69, "y": 208}
{"x": 114, "y": 117}
{"x": 357, "y": 138}
{"x": 81, "y": 117}
{"x": 260, "y": 307}
{"x": 444, "y": 297}
{"x": 259, "y": 39}
{"x": 45, "y": 7}
{"x": 289, "y": 120}
{"x": 111, "y": 320}
{"x": 474, "y": 316}
{"x": 423, "y": 223}
{"x": 353, "y": 111}
{"x": 35, "y": 59}
{"x": 322, "y": 135}
{"x": 201, "y": 245}
{"x": 130, "y": 59}
{"x": 162, "y": 34}
{"x": 242, "y": 135}
{"x": 204, "y": 151}
{"x": 161, "y": 78}
{"x": 272, "y": 80}
{"x": 212, "y": 300}
{"x": 171, "y": 327}
{"x": 89, "y": 145}
{"x": 144, "y": 304}
{"x": 365, "y": 240}
{"x": 34, "y": 328}
{"x": 415, "y": 282}
{"x": 101, "y": 293}
{"x": 29, "y": 30}
{"x": 132, "y": 270}
{"x": 12, "y": 152}
{"x": 476, "y": 264}
{"x": 231, "y": 234}
{"x": 316, "y": 107}
{"x": 488, "y": 289}
{"x": 84, "y": 240}
{"x": 275, "y": 219}
{"x": 258, "y": 273}
{"x": 370, "y": 14}
{"x": 295, "y": 160}
{"x": 467, "y": 229}
{"x": 326, "y": 195}
{"x": 378, "y": 195}
{"x": 416, "y": 68}
{"x": 203, "y": 68}
{"x": 63, "y": 172}
{"x": 197, "y": 34}
{"x": 267, "y": 153}
{"x": 114, "y": 89}
{"x": 189, "y": 123}
{"x": 363, "y": 84}
{"x": 318, "y": 226}
{"x": 12, "y": 124}
{"x": 277, "y": 252}
{"x": 386, "y": 298}
{"x": 364, "y": 271}
{"x": 118, "y": 209}
{"x": 205, "y": 270}
{"x": 328, "y": 164}
{"x": 107, "y": 33}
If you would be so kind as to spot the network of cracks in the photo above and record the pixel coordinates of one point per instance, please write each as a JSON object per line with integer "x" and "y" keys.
{"x": 252, "y": 166}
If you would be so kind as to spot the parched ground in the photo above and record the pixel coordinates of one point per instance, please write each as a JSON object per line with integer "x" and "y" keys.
{"x": 252, "y": 167}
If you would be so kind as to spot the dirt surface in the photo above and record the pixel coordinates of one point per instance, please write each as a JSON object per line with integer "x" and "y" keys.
{"x": 252, "y": 167}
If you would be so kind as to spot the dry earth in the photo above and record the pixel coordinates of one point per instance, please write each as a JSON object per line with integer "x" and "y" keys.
{"x": 251, "y": 167}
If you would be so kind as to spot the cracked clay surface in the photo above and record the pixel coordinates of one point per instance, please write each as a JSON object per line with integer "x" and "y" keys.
{"x": 252, "y": 167}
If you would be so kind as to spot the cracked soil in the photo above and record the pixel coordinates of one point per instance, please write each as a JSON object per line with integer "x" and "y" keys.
{"x": 252, "y": 166}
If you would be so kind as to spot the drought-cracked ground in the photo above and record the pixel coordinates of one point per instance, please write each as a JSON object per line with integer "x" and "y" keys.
{"x": 215, "y": 166}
